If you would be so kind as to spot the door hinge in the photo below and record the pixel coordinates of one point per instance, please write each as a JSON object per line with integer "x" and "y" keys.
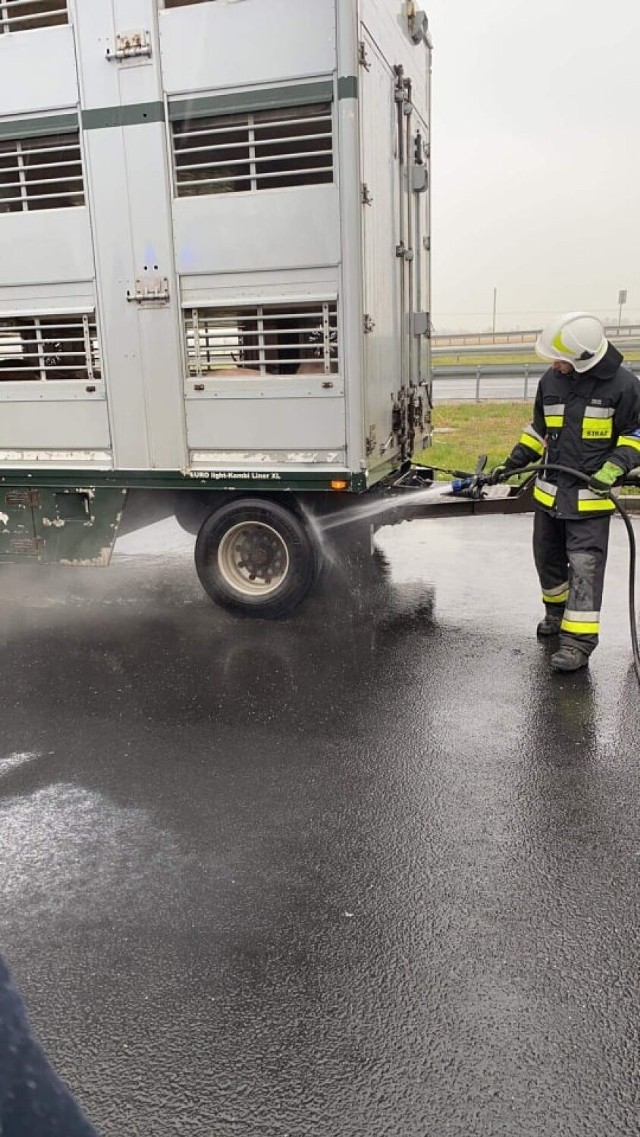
{"x": 130, "y": 45}
{"x": 26, "y": 499}
{"x": 152, "y": 290}
{"x": 368, "y": 324}
{"x": 367, "y": 196}
{"x": 418, "y": 24}
{"x": 363, "y": 58}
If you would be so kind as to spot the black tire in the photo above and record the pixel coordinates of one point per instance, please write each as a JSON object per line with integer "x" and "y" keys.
{"x": 256, "y": 558}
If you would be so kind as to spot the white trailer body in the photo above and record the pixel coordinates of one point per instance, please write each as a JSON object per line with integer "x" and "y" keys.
{"x": 214, "y": 222}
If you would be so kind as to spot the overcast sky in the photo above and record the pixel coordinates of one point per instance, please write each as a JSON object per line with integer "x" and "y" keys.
{"x": 536, "y": 159}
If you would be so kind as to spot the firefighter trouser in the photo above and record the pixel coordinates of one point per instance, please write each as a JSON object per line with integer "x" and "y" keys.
{"x": 571, "y": 557}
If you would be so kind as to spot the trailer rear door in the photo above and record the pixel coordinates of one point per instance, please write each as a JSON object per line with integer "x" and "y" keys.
{"x": 124, "y": 122}
{"x": 394, "y": 140}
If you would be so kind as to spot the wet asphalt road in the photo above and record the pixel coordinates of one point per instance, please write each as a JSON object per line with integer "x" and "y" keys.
{"x": 368, "y": 872}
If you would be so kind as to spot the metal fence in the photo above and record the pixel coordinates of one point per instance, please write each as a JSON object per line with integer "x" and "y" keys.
{"x": 496, "y": 382}
{"x": 613, "y": 332}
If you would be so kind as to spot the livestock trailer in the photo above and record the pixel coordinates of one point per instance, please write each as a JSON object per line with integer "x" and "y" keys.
{"x": 214, "y": 280}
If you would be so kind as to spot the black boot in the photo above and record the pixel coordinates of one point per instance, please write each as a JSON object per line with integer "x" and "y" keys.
{"x": 569, "y": 659}
{"x": 550, "y": 626}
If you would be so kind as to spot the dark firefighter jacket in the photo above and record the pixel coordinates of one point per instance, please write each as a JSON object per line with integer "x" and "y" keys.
{"x": 581, "y": 421}
{"x": 33, "y": 1100}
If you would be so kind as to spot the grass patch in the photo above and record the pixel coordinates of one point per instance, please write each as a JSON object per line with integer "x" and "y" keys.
{"x": 462, "y": 431}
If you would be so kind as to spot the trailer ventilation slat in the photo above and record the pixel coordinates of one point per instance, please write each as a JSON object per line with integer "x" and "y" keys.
{"x": 43, "y": 348}
{"x": 22, "y": 15}
{"x": 269, "y": 339}
{"x": 255, "y": 151}
{"x": 41, "y": 173}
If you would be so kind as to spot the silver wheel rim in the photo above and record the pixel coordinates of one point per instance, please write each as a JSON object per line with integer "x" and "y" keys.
{"x": 253, "y": 558}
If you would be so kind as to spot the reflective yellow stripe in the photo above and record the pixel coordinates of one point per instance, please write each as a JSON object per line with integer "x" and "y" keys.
{"x": 597, "y": 428}
{"x": 559, "y": 593}
{"x": 577, "y": 628}
{"x": 554, "y": 421}
{"x": 624, "y": 440}
{"x": 542, "y": 497}
{"x": 559, "y": 346}
{"x": 559, "y": 598}
{"x": 594, "y": 505}
{"x": 533, "y": 443}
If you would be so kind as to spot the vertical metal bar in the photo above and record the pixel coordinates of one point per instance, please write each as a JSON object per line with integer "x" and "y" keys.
{"x": 195, "y": 327}
{"x": 252, "y": 152}
{"x": 417, "y": 264}
{"x": 171, "y": 141}
{"x": 526, "y": 381}
{"x": 21, "y": 175}
{"x": 87, "y": 346}
{"x": 42, "y": 367}
{"x": 96, "y": 349}
{"x": 399, "y": 104}
{"x": 350, "y": 113}
{"x": 326, "y": 338}
{"x": 262, "y": 359}
{"x": 478, "y": 374}
{"x": 407, "y": 108}
{"x": 4, "y": 17}
{"x": 332, "y": 126}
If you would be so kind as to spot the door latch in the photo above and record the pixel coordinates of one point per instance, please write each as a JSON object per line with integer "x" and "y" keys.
{"x": 150, "y": 290}
{"x": 130, "y": 45}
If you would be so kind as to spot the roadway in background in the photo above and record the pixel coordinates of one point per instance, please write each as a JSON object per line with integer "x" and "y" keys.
{"x": 491, "y": 381}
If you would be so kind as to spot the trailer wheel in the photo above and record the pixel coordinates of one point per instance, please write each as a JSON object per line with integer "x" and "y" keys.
{"x": 256, "y": 558}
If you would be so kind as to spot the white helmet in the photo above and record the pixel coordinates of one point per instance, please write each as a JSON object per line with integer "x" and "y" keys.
{"x": 575, "y": 338}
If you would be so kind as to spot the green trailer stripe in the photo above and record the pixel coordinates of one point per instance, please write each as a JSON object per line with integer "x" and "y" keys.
{"x": 348, "y": 87}
{"x": 44, "y": 124}
{"x": 269, "y": 98}
{"x": 134, "y": 114}
{"x": 172, "y": 479}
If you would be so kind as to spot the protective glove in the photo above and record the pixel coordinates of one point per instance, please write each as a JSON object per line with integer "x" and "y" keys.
{"x": 605, "y": 478}
{"x": 502, "y": 472}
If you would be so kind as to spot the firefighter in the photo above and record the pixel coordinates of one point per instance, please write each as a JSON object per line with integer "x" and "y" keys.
{"x": 587, "y": 416}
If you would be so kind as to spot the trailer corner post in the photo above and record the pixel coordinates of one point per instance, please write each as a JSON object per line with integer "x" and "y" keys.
{"x": 351, "y": 224}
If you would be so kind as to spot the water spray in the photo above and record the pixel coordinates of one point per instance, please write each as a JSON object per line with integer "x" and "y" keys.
{"x": 473, "y": 485}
